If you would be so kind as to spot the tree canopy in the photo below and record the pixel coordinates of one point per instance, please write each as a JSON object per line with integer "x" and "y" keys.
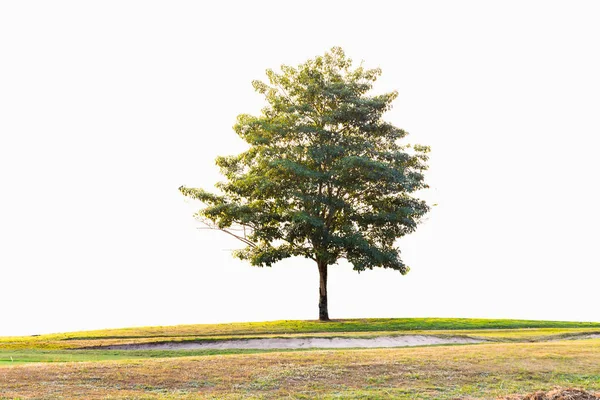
{"x": 325, "y": 177}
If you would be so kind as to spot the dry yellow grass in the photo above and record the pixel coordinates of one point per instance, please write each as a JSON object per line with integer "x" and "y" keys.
{"x": 480, "y": 371}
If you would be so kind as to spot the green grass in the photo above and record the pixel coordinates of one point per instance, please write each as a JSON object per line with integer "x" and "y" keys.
{"x": 351, "y": 325}
{"x": 16, "y": 357}
{"x": 8, "y": 357}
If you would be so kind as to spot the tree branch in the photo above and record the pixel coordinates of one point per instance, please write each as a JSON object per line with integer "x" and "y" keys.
{"x": 212, "y": 226}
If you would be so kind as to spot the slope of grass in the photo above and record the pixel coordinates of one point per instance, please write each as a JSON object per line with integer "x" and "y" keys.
{"x": 518, "y": 358}
{"x": 357, "y": 327}
{"x": 350, "y": 325}
{"x": 63, "y": 347}
{"x": 480, "y": 371}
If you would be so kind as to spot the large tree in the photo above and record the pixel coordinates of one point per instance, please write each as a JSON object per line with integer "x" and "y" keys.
{"x": 324, "y": 177}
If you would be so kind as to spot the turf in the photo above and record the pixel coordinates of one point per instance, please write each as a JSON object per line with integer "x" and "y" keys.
{"x": 521, "y": 356}
{"x": 361, "y": 327}
{"x": 444, "y": 372}
{"x": 16, "y": 357}
{"x": 351, "y": 325}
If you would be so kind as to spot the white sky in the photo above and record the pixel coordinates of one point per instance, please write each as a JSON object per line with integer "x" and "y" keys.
{"x": 107, "y": 107}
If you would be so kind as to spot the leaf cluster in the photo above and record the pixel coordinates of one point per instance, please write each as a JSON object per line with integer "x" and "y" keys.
{"x": 325, "y": 177}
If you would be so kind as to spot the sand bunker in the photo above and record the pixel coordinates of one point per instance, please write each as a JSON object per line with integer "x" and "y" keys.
{"x": 299, "y": 343}
{"x": 592, "y": 336}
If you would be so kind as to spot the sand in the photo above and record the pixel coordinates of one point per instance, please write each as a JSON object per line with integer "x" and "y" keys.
{"x": 300, "y": 343}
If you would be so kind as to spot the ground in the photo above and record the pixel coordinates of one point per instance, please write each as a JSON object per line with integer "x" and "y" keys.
{"x": 518, "y": 357}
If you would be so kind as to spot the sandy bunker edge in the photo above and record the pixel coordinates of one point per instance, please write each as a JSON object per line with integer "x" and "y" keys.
{"x": 297, "y": 343}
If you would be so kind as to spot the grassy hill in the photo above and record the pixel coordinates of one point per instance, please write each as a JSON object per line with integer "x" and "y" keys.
{"x": 520, "y": 356}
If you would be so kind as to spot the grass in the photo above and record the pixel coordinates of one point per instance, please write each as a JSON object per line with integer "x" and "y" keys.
{"x": 352, "y": 325}
{"x": 519, "y": 358}
{"x": 15, "y": 357}
{"x": 359, "y": 327}
{"x": 443, "y": 372}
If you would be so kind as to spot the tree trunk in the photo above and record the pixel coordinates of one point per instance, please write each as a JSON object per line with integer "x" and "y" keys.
{"x": 323, "y": 310}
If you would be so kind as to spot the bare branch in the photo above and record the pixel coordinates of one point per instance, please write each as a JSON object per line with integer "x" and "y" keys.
{"x": 210, "y": 225}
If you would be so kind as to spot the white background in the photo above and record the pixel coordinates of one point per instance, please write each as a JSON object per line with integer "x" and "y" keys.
{"x": 106, "y": 108}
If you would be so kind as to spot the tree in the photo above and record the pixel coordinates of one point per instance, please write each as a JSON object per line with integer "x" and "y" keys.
{"x": 324, "y": 177}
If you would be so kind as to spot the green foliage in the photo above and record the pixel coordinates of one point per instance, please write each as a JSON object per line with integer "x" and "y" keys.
{"x": 325, "y": 177}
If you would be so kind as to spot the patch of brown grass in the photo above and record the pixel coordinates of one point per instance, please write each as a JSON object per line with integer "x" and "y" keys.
{"x": 557, "y": 394}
